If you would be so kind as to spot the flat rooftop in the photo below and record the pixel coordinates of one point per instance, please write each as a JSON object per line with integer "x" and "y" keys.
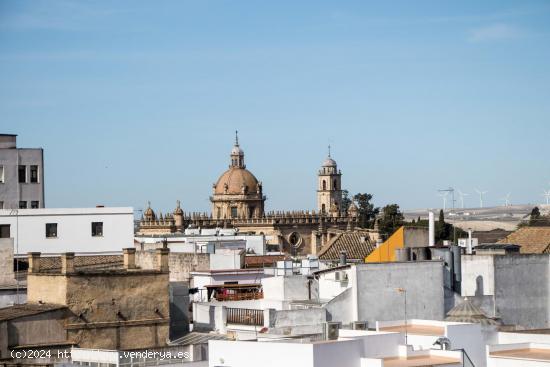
{"x": 419, "y": 361}
{"x": 524, "y": 353}
{"x": 417, "y": 329}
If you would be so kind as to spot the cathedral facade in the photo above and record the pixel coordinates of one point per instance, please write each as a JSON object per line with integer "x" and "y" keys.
{"x": 238, "y": 201}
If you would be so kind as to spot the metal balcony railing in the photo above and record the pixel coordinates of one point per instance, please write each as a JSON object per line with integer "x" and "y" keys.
{"x": 245, "y": 316}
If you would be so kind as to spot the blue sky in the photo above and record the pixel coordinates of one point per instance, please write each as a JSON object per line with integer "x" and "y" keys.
{"x": 135, "y": 101}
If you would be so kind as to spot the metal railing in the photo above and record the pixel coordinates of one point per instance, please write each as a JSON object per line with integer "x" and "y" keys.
{"x": 242, "y": 296}
{"x": 466, "y": 361}
{"x": 245, "y": 316}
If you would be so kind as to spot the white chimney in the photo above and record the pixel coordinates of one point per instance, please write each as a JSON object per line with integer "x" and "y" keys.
{"x": 469, "y": 244}
{"x": 431, "y": 231}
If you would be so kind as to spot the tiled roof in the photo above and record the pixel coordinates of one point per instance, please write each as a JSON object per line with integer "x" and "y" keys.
{"x": 491, "y": 236}
{"x": 263, "y": 260}
{"x": 468, "y": 312}
{"x": 356, "y": 244}
{"x": 27, "y": 309}
{"x": 533, "y": 240}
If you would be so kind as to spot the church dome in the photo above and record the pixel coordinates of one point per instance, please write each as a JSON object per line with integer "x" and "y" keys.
{"x": 329, "y": 162}
{"x": 237, "y": 150}
{"x": 235, "y": 179}
{"x": 149, "y": 214}
{"x": 178, "y": 210}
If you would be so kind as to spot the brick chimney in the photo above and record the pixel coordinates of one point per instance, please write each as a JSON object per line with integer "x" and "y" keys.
{"x": 34, "y": 262}
{"x": 162, "y": 259}
{"x": 129, "y": 255}
{"x": 67, "y": 263}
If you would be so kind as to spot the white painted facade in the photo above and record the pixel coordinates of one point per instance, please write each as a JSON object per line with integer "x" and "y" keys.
{"x": 200, "y": 241}
{"x": 74, "y": 229}
{"x": 357, "y": 348}
{"x": 461, "y": 335}
{"x": 518, "y": 355}
{"x": 478, "y": 275}
{"x": 200, "y": 279}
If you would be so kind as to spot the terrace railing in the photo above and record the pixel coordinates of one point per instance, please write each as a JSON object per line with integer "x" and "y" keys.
{"x": 245, "y": 316}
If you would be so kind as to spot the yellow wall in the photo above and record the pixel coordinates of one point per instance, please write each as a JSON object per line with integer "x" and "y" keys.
{"x": 386, "y": 251}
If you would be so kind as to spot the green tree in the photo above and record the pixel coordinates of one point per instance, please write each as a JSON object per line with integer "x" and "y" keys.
{"x": 441, "y": 228}
{"x": 535, "y": 216}
{"x": 366, "y": 210}
{"x": 390, "y": 220}
{"x": 346, "y": 200}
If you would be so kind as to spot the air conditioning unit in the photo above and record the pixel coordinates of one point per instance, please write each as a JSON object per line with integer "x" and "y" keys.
{"x": 341, "y": 276}
{"x": 332, "y": 330}
{"x": 360, "y": 325}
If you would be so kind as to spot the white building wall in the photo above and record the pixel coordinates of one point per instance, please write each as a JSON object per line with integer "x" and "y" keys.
{"x": 478, "y": 275}
{"x": 227, "y": 259}
{"x": 243, "y": 354}
{"x": 74, "y": 229}
{"x": 330, "y": 286}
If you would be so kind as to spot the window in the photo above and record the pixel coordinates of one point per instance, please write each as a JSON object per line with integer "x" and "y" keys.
{"x": 35, "y": 204}
{"x": 1, "y": 205}
{"x": 97, "y": 229}
{"x": 34, "y": 174}
{"x": 323, "y": 208}
{"x": 324, "y": 185}
{"x": 4, "y": 231}
{"x": 51, "y": 230}
{"x": 22, "y": 174}
{"x": 335, "y": 185}
{"x": 1, "y": 174}
{"x": 234, "y": 212}
{"x": 22, "y": 205}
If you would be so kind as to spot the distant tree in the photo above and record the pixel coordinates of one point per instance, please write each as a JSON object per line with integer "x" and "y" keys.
{"x": 535, "y": 216}
{"x": 366, "y": 210}
{"x": 346, "y": 200}
{"x": 442, "y": 229}
{"x": 391, "y": 219}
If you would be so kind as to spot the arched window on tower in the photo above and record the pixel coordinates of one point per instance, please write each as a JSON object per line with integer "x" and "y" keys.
{"x": 335, "y": 185}
{"x": 324, "y": 185}
{"x": 323, "y": 210}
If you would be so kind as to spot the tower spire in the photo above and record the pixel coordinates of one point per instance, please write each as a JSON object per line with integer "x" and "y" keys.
{"x": 329, "y": 150}
{"x": 237, "y": 154}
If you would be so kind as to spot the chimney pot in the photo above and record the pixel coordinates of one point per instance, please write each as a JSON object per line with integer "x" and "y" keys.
{"x": 129, "y": 255}
{"x": 162, "y": 259}
{"x": 34, "y": 262}
{"x": 67, "y": 263}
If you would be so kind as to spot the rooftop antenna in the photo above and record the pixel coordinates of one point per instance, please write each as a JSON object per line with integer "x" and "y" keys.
{"x": 237, "y": 138}
{"x": 462, "y": 194}
{"x": 547, "y": 196}
{"x": 506, "y": 199}
{"x": 329, "y": 150}
{"x": 481, "y": 193}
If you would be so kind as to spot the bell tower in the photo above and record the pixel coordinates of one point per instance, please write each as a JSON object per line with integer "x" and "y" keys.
{"x": 329, "y": 187}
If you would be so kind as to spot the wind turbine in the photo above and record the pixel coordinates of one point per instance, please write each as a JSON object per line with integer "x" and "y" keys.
{"x": 507, "y": 199}
{"x": 481, "y": 193}
{"x": 547, "y": 196}
{"x": 462, "y": 194}
{"x": 443, "y": 194}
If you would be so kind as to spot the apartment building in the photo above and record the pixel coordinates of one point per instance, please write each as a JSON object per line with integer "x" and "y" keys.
{"x": 21, "y": 175}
